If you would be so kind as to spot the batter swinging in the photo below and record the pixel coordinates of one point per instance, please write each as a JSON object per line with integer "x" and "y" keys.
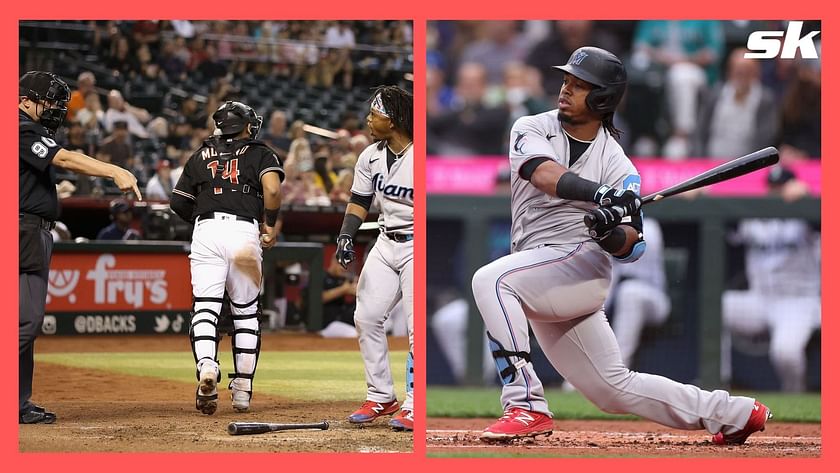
{"x": 564, "y": 164}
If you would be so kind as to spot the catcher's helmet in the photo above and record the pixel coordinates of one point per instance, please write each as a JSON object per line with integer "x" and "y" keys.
{"x": 603, "y": 70}
{"x": 42, "y": 86}
{"x": 232, "y": 117}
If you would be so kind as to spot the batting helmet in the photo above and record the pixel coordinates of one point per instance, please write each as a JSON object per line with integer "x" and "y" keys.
{"x": 232, "y": 117}
{"x": 42, "y": 87}
{"x": 603, "y": 70}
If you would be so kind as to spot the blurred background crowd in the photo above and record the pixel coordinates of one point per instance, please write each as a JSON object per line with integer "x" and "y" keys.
{"x": 691, "y": 93}
{"x": 143, "y": 93}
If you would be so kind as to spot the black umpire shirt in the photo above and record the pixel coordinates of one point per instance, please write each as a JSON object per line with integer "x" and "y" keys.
{"x": 246, "y": 163}
{"x": 37, "y": 177}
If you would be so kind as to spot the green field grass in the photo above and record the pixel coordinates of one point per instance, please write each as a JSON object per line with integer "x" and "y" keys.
{"x": 323, "y": 376}
{"x": 484, "y": 402}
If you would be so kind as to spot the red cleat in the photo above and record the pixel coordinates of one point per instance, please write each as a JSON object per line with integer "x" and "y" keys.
{"x": 518, "y": 423}
{"x": 758, "y": 417}
{"x": 371, "y": 410}
{"x": 404, "y": 420}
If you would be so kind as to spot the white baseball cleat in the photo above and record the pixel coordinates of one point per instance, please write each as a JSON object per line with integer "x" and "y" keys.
{"x": 241, "y": 400}
{"x": 206, "y": 397}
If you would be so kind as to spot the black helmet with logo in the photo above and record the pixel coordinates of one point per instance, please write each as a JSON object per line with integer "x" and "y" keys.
{"x": 48, "y": 88}
{"x": 603, "y": 70}
{"x": 233, "y": 117}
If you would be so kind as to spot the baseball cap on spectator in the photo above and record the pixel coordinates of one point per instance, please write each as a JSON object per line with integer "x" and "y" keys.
{"x": 119, "y": 206}
{"x": 163, "y": 163}
{"x": 779, "y": 175}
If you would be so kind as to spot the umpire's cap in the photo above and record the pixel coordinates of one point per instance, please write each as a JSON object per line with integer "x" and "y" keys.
{"x": 232, "y": 117}
{"x": 603, "y": 70}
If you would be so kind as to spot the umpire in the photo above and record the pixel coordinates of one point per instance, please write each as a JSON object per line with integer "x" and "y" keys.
{"x": 42, "y": 105}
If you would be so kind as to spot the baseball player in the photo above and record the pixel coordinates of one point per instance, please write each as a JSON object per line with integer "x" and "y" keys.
{"x": 42, "y": 106}
{"x": 565, "y": 165}
{"x": 782, "y": 265}
{"x": 230, "y": 189}
{"x": 384, "y": 173}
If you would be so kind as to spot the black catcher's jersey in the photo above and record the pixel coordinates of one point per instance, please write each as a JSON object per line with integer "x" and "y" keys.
{"x": 224, "y": 176}
{"x": 37, "y": 175}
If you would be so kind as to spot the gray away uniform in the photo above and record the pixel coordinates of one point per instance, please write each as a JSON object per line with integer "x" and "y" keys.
{"x": 556, "y": 279}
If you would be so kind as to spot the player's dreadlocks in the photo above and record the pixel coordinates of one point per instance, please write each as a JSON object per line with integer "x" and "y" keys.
{"x": 607, "y": 122}
{"x": 399, "y": 105}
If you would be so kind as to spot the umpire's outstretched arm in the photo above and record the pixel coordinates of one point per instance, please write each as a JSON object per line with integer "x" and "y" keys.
{"x": 84, "y": 164}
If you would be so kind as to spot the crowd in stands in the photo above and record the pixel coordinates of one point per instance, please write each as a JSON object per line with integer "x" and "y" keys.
{"x": 691, "y": 92}
{"x": 144, "y": 92}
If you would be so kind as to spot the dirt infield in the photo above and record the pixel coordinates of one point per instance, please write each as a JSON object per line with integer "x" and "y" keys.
{"x": 622, "y": 439}
{"x": 106, "y": 412}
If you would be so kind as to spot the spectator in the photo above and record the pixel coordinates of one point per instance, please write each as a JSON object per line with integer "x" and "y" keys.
{"x": 339, "y": 296}
{"x": 340, "y": 39}
{"x": 116, "y": 149}
{"x": 277, "y": 136}
{"x": 120, "y": 227}
{"x": 472, "y": 128}
{"x": 801, "y": 114}
{"x": 91, "y": 116}
{"x": 783, "y": 299}
{"x": 161, "y": 184}
{"x": 120, "y": 110}
{"x": 340, "y": 192}
{"x": 740, "y": 115}
{"x": 211, "y": 67}
{"x": 689, "y": 52}
{"x": 499, "y": 45}
{"x": 565, "y": 37}
{"x": 172, "y": 65}
{"x": 324, "y": 177}
{"x": 84, "y": 86}
{"x": 120, "y": 59}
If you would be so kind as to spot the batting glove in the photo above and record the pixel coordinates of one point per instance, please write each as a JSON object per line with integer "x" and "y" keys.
{"x": 607, "y": 196}
{"x": 601, "y": 221}
{"x": 344, "y": 253}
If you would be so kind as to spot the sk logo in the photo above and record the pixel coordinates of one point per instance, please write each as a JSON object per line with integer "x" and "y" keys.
{"x": 579, "y": 57}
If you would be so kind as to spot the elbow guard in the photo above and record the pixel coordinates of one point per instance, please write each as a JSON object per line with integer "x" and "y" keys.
{"x": 635, "y": 253}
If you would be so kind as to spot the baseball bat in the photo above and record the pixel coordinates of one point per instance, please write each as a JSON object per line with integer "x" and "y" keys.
{"x": 726, "y": 171}
{"x": 251, "y": 428}
{"x": 316, "y": 130}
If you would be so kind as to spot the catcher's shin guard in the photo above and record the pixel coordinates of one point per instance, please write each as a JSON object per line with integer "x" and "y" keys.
{"x": 204, "y": 341}
{"x": 507, "y": 368}
{"x": 245, "y": 345}
{"x": 204, "y": 331}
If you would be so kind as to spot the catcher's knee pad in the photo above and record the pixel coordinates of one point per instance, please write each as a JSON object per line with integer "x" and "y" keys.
{"x": 245, "y": 343}
{"x": 409, "y": 373}
{"x": 504, "y": 364}
{"x": 204, "y": 332}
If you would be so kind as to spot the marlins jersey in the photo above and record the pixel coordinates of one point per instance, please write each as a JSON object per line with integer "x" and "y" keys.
{"x": 782, "y": 256}
{"x": 393, "y": 189}
{"x": 541, "y": 219}
{"x": 225, "y": 176}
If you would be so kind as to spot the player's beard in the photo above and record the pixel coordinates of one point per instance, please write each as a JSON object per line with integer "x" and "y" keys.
{"x": 568, "y": 119}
